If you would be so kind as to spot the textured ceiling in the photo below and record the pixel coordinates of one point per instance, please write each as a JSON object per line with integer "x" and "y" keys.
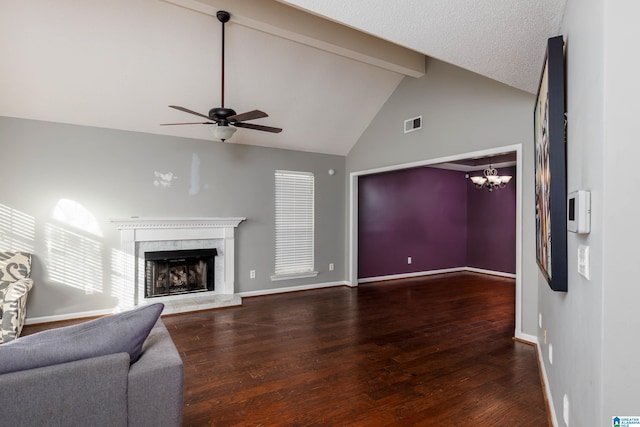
{"x": 119, "y": 63}
{"x": 500, "y": 39}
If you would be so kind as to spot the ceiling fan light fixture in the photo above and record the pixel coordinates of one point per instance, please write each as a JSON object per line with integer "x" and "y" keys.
{"x": 222, "y": 132}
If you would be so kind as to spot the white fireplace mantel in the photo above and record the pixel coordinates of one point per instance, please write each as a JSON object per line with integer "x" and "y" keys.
{"x": 153, "y": 229}
{"x": 137, "y": 223}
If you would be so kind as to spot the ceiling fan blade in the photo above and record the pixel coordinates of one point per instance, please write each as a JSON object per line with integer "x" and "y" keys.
{"x": 190, "y": 123}
{"x": 186, "y": 110}
{"x": 257, "y": 127}
{"x": 249, "y": 115}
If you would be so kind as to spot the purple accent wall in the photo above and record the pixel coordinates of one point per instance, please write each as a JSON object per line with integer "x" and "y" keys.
{"x": 438, "y": 218}
{"x": 491, "y": 226}
{"x": 419, "y": 213}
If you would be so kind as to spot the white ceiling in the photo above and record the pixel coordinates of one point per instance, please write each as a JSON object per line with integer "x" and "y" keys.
{"x": 500, "y": 39}
{"x": 119, "y": 63}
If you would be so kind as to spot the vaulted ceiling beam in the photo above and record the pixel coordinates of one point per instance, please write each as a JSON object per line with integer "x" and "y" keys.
{"x": 293, "y": 24}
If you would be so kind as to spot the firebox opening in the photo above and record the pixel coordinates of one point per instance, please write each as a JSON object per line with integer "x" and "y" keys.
{"x": 179, "y": 272}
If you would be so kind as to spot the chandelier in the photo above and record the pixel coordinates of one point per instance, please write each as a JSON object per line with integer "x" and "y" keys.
{"x": 491, "y": 179}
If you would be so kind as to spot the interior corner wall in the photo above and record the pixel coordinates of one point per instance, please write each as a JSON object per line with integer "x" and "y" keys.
{"x": 462, "y": 113}
{"x": 491, "y": 226}
{"x": 110, "y": 174}
{"x": 438, "y": 218}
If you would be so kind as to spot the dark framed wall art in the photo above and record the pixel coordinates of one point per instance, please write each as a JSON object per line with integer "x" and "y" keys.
{"x": 550, "y": 168}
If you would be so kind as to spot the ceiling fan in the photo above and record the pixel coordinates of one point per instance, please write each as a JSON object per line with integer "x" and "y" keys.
{"x": 225, "y": 118}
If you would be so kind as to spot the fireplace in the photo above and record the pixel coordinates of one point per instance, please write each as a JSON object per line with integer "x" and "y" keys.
{"x": 179, "y": 272}
{"x": 141, "y": 235}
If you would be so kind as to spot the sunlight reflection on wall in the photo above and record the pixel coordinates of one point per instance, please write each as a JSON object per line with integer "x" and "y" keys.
{"x": 122, "y": 266}
{"x": 17, "y": 230}
{"x": 74, "y": 259}
{"x": 74, "y": 214}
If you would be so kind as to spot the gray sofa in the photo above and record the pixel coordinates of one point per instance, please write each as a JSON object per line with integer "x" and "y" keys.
{"x": 117, "y": 389}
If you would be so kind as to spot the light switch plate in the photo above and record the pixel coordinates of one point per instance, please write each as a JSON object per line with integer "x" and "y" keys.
{"x": 584, "y": 267}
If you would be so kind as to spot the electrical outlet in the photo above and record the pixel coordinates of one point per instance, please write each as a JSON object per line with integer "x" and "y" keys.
{"x": 565, "y": 409}
{"x": 408, "y": 260}
{"x": 331, "y": 266}
{"x": 584, "y": 262}
{"x": 252, "y": 274}
{"x": 539, "y": 320}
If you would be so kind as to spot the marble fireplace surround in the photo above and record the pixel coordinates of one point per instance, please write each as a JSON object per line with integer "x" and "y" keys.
{"x": 139, "y": 235}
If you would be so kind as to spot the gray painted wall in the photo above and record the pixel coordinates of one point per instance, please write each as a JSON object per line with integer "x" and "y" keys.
{"x": 573, "y": 320}
{"x": 593, "y": 328}
{"x": 111, "y": 174}
{"x": 462, "y": 112}
{"x": 620, "y": 207}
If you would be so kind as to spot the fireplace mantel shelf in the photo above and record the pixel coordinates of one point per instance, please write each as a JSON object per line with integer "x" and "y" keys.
{"x": 135, "y": 223}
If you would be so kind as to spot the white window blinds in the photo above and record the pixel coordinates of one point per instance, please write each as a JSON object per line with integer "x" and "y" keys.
{"x": 294, "y": 223}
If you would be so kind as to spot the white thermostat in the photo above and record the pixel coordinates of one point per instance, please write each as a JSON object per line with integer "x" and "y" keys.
{"x": 579, "y": 212}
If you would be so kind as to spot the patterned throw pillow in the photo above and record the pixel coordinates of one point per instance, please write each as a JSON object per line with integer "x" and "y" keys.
{"x": 14, "y": 266}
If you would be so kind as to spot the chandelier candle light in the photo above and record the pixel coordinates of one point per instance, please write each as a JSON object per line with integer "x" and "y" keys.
{"x": 491, "y": 179}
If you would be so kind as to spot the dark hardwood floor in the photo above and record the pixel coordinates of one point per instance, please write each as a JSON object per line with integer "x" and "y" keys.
{"x": 434, "y": 351}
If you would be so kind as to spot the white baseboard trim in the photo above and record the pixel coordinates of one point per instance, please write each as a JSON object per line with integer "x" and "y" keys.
{"x": 69, "y": 316}
{"x": 532, "y": 339}
{"x": 291, "y": 289}
{"x": 432, "y": 272}
{"x": 409, "y": 275}
{"x": 491, "y": 272}
{"x": 547, "y": 389}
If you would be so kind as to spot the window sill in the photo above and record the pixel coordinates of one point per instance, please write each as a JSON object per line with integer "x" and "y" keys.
{"x": 293, "y": 276}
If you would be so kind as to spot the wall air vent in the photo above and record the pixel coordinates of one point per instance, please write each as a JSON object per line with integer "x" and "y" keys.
{"x": 413, "y": 124}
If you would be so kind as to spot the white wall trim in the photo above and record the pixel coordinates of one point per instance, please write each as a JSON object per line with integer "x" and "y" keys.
{"x": 519, "y": 294}
{"x": 432, "y": 272}
{"x": 69, "y": 316}
{"x": 490, "y": 272}
{"x": 292, "y": 289}
{"x": 545, "y": 384}
{"x": 276, "y": 277}
{"x": 532, "y": 339}
{"x": 352, "y": 234}
{"x": 409, "y": 275}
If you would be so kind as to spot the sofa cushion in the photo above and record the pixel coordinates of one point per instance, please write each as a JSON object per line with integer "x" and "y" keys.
{"x": 118, "y": 333}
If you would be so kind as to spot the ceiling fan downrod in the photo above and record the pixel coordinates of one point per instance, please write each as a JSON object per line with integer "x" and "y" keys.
{"x": 223, "y": 17}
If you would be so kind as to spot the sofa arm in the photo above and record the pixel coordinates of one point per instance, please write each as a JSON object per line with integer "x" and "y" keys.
{"x": 13, "y": 309}
{"x": 156, "y": 381}
{"x": 89, "y": 392}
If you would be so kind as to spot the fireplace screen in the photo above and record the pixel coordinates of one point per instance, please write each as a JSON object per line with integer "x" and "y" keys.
{"x": 178, "y": 272}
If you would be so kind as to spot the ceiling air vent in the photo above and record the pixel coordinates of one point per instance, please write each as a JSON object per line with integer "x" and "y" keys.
{"x": 413, "y": 124}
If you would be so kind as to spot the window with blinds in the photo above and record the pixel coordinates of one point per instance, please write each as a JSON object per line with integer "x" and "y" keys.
{"x": 294, "y": 225}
